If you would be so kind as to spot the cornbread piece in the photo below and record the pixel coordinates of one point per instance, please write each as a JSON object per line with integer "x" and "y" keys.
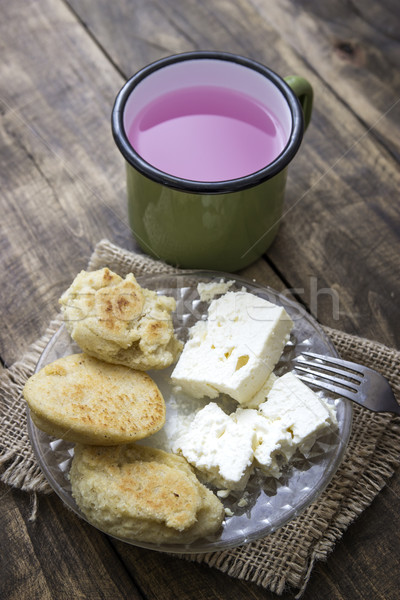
{"x": 235, "y": 350}
{"x": 144, "y": 494}
{"x": 116, "y": 320}
{"x": 81, "y": 399}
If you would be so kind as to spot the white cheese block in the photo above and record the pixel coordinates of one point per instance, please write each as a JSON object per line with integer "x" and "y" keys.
{"x": 235, "y": 350}
{"x": 225, "y": 448}
{"x": 262, "y": 393}
{"x": 299, "y": 410}
{"x": 218, "y": 447}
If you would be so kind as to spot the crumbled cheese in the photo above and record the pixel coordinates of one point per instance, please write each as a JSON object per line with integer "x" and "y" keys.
{"x": 274, "y": 446}
{"x": 208, "y": 291}
{"x": 219, "y": 447}
{"x": 223, "y": 493}
{"x": 235, "y": 350}
{"x": 244, "y": 501}
{"x": 226, "y": 448}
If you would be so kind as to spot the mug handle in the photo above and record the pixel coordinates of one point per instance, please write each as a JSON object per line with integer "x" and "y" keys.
{"x": 303, "y": 90}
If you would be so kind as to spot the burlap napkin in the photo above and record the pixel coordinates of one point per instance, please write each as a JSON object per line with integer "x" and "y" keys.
{"x": 286, "y": 557}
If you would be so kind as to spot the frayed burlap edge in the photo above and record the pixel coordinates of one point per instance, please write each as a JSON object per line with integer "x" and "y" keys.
{"x": 20, "y": 468}
{"x": 287, "y": 556}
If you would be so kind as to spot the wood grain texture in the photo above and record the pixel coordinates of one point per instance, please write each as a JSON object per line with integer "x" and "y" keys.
{"x": 34, "y": 568}
{"x": 184, "y": 580}
{"x": 61, "y": 176}
{"x": 355, "y": 48}
{"x": 363, "y": 564}
{"x": 18, "y": 560}
{"x": 338, "y": 217}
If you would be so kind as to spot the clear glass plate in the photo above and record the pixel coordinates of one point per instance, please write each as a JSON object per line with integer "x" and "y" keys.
{"x": 267, "y": 503}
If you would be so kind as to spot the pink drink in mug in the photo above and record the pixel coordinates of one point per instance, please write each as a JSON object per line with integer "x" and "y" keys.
{"x": 208, "y": 138}
{"x": 207, "y": 133}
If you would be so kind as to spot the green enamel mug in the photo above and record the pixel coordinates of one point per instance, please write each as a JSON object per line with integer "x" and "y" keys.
{"x": 199, "y": 197}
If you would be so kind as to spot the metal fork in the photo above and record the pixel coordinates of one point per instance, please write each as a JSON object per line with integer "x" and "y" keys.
{"x": 347, "y": 379}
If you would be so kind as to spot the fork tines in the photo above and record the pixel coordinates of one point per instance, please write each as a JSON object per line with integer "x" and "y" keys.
{"x": 358, "y": 383}
{"x": 317, "y": 366}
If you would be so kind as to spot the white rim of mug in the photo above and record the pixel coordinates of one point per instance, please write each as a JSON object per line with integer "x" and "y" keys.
{"x": 207, "y": 187}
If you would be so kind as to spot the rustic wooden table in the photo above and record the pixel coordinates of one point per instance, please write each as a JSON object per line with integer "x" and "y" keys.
{"x": 63, "y": 189}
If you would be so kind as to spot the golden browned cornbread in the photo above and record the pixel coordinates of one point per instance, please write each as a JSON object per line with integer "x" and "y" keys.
{"x": 143, "y": 494}
{"x": 116, "y": 320}
{"x": 81, "y": 399}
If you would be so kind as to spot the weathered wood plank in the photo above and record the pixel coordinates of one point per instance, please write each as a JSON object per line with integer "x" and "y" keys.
{"x": 363, "y": 564}
{"x": 185, "y": 580}
{"x": 62, "y": 178}
{"x": 340, "y": 218}
{"x": 349, "y": 212}
{"x": 136, "y": 33}
{"x": 20, "y": 567}
{"x": 34, "y": 567}
{"x": 355, "y": 48}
